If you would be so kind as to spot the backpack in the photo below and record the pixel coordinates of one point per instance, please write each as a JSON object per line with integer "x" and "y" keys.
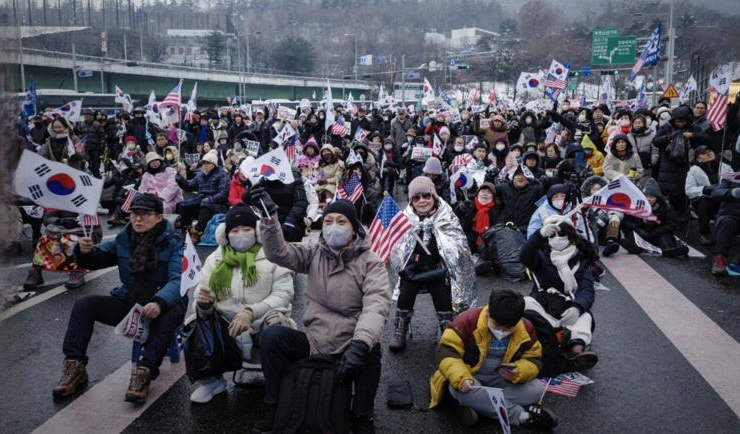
{"x": 312, "y": 400}
{"x": 554, "y": 360}
{"x": 678, "y": 148}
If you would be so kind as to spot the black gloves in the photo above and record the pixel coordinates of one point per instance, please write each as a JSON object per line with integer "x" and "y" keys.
{"x": 256, "y": 196}
{"x": 708, "y": 189}
{"x": 353, "y": 360}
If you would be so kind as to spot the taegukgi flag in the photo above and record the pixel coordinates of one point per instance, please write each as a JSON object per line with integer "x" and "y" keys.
{"x": 191, "y": 267}
{"x": 274, "y": 165}
{"x": 55, "y": 185}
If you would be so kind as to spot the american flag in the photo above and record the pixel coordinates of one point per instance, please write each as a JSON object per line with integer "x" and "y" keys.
{"x": 389, "y": 225}
{"x": 461, "y": 160}
{"x": 492, "y": 97}
{"x": 339, "y": 128}
{"x": 474, "y": 97}
{"x": 132, "y": 194}
{"x": 89, "y": 220}
{"x": 173, "y": 98}
{"x": 557, "y": 83}
{"x": 561, "y": 386}
{"x": 290, "y": 148}
{"x": 352, "y": 189}
{"x": 637, "y": 67}
{"x": 717, "y": 112}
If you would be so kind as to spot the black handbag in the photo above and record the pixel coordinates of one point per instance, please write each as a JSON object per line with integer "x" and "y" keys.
{"x": 208, "y": 348}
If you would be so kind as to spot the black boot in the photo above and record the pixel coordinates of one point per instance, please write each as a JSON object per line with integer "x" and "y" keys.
{"x": 400, "y": 328}
{"x": 265, "y": 425}
{"x": 445, "y": 318}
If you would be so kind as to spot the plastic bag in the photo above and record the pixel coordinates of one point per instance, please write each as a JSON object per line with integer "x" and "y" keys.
{"x": 208, "y": 348}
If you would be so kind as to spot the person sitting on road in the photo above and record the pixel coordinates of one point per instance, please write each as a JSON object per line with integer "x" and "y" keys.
{"x": 563, "y": 291}
{"x": 517, "y": 199}
{"x": 328, "y": 173}
{"x": 159, "y": 180}
{"x": 622, "y": 160}
{"x": 604, "y": 224}
{"x": 559, "y": 202}
{"x": 476, "y": 216}
{"x": 727, "y": 224}
{"x": 347, "y": 303}
{"x": 212, "y": 187}
{"x": 434, "y": 255}
{"x": 660, "y": 232}
{"x": 148, "y": 253}
{"x": 291, "y": 200}
{"x": 243, "y": 287}
{"x": 702, "y": 179}
{"x": 492, "y": 346}
{"x": 433, "y": 170}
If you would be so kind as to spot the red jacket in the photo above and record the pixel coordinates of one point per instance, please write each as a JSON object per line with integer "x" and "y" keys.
{"x": 236, "y": 190}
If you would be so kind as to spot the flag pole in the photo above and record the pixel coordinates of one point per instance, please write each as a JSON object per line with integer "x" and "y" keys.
{"x": 542, "y": 397}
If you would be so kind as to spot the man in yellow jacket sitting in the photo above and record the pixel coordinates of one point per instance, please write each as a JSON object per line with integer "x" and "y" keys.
{"x": 492, "y": 346}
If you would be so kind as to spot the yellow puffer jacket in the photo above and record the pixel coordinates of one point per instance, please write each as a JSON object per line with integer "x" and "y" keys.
{"x": 467, "y": 335}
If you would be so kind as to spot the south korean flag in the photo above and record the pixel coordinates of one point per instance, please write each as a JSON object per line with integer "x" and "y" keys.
{"x": 55, "y": 185}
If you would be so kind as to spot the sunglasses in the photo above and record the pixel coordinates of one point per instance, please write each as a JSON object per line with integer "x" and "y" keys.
{"x": 417, "y": 197}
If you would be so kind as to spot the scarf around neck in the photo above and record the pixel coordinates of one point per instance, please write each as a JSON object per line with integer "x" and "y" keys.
{"x": 481, "y": 221}
{"x": 567, "y": 274}
{"x": 220, "y": 281}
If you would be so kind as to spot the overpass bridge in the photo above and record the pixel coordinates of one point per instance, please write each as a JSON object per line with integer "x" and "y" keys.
{"x": 55, "y": 70}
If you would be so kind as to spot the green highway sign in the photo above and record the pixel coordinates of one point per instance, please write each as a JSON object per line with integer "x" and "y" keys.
{"x": 608, "y": 48}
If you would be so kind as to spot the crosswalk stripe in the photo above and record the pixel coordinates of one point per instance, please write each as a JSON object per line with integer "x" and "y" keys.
{"x": 709, "y": 349}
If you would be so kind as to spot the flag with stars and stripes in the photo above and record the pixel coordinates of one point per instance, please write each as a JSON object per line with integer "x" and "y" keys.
{"x": 388, "y": 226}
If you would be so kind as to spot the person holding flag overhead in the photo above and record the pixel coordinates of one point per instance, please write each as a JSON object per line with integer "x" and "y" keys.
{"x": 347, "y": 305}
{"x": 148, "y": 253}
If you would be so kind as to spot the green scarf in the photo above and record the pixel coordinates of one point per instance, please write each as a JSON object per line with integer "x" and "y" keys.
{"x": 220, "y": 282}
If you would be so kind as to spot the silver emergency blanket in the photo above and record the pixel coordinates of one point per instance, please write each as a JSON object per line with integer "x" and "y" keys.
{"x": 453, "y": 248}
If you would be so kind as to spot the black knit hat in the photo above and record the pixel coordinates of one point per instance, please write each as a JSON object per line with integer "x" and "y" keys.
{"x": 240, "y": 215}
{"x": 147, "y": 202}
{"x": 347, "y": 209}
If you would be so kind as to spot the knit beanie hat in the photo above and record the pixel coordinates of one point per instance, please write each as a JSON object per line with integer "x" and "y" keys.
{"x": 652, "y": 188}
{"x": 210, "y": 157}
{"x": 240, "y": 215}
{"x": 420, "y": 185}
{"x": 347, "y": 209}
{"x": 151, "y": 156}
{"x": 444, "y": 130}
{"x": 433, "y": 166}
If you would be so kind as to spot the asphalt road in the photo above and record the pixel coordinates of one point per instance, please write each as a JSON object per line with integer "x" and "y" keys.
{"x": 668, "y": 353}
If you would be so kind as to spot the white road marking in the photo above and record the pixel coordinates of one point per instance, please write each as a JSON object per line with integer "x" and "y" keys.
{"x": 709, "y": 349}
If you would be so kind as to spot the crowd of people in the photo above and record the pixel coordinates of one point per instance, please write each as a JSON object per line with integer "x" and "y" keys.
{"x": 488, "y": 191}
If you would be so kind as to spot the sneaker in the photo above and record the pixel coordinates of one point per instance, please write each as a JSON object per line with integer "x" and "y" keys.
{"x": 719, "y": 268}
{"x": 75, "y": 280}
{"x": 611, "y": 248}
{"x": 467, "y": 416}
{"x": 363, "y": 425}
{"x": 138, "y": 387}
{"x": 540, "y": 417}
{"x": 34, "y": 279}
{"x": 208, "y": 388}
{"x": 705, "y": 240}
{"x": 265, "y": 425}
{"x": 74, "y": 375}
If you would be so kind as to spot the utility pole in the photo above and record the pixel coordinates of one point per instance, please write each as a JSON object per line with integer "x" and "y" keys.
{"x": 671, "y": 47}
{"x": 403, "y": 80}
{"x": 74, "y": 65}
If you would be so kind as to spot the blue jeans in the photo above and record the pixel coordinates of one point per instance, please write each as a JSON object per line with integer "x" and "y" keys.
{"x": 281, "y": 346}
{"x": 111, "y": 310}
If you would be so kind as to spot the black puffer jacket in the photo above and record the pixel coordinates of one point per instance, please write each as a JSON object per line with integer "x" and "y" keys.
{"x": 518, "y": 204}
{"x": 729, "y": 206}
{"x": 672, "y": 172}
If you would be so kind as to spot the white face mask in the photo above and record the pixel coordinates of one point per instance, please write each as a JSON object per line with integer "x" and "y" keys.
{"x": 459, "y": 148}
{"x": 499, "y": 334}
{"x": 558, "y": 204}
{"x": 387, "y": 147}
{"x": 242, "y": 242}
{"x": 559, "y": 243}
{"x": 464, "y": 117}
{"x": 581, "y": 118}
{"x": 500, "y": 146}
{"x": 336, "y": 236}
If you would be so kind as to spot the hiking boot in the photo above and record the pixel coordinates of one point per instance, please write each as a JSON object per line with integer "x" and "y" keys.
{"x": 75, "y": 280}
{"x": 34, "y": 279}
{"x": 582, "y": 356}
{"x": 195, "y": 235}
{"x": 400, "y": 329}
{"x": 265, "y": 425}
{"x": 74, "y": 375}
{"x": 719, "y": 268}
{"x": 705, "y": 240}
{"x": 540, "y": 417}
{"x": 444, "y": 318}
{"x": 138, "y": 387}
{"x": 467, "y": 416}
{"x": 611, "y": 248}
{"x": 363, "y": 425}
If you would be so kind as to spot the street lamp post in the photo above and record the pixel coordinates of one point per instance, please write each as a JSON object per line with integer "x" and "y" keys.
{"x": 671, "y": 47}
{"x": 355, "y": 35}
{"x": 249, "y": 64}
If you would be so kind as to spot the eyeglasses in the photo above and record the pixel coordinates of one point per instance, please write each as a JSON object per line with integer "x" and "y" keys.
{"x": 417, "y": 197}
{"x": 141, "y": 214}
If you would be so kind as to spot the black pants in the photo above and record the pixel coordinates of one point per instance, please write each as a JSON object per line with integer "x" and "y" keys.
{"x": 110, "y": 311}
{"x": 726, "y": 228}
{"x": 35, "y": 225}
{"x": 94, "y": 156}
{"x": 440, "y": 292}
{"x": 679, "y": 203}
{"x": 281, "y": 346}
{"x": 706, "y": 208}
{"x": 189, "y": 212}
